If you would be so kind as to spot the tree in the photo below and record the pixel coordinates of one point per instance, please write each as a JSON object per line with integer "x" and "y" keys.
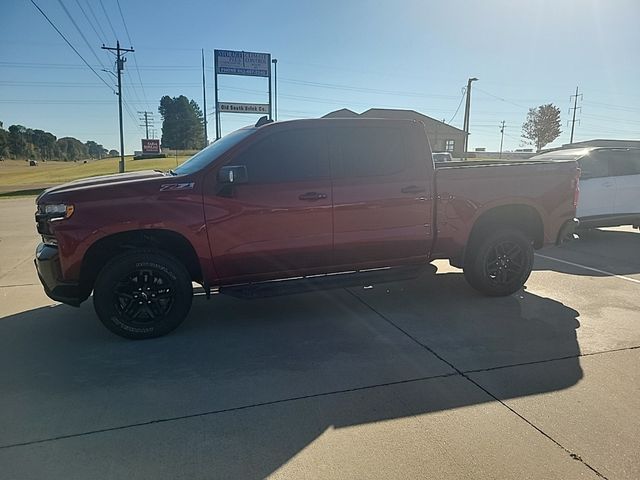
{"x": 182, "y": 123}
{"x": 114, "y": 153}
{"x": 542, "y": 125}
{"x": 70, "y": 148}
{"x": 4, "y": 143}
{"x": 95, "y": 150}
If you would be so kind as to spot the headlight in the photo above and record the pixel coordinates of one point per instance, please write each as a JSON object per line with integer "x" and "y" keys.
{"x": 58, "y": 211}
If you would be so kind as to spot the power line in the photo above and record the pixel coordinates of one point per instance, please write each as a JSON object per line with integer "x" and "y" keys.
{"x": 70, "y": 45}
{"x": 101, "y": 39}
{"x": 500, "y": 98}
{"x": 135, "y": 61}
{"x": 81, "y": 33}
{"x": 95, "y": 19}
{"x": 464, "y": 91}
{"x": 115, "y": 35}
{"x": 123, "y": 22}
{"x": 610, "y": 106}
{"x": 351, "y": 88}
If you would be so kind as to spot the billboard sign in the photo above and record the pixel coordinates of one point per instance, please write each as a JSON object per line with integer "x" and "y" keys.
{"x": 229, "y": 107}
{"x": 252, "y": 64}
{"x": 150, "y": 145}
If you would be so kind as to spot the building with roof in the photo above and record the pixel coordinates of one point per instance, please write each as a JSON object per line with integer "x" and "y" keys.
{"x": 442, "y": 137}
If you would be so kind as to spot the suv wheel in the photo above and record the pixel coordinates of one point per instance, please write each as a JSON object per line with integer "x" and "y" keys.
{"x": 500, "y": 263}
{"x": 142, "y": 294}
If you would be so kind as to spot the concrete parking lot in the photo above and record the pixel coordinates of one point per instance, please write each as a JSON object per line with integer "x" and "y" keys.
{"x": 416, "y": 379}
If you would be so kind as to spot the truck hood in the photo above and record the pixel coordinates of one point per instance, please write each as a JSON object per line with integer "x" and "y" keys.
{"x": 103, "y": 180}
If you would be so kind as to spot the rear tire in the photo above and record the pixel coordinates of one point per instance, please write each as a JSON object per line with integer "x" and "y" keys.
{"x": 500, "y": 263}
{"x": 142, "y": 294}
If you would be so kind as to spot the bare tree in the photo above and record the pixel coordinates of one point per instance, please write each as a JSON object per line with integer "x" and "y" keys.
{"x": 542, "y": 125}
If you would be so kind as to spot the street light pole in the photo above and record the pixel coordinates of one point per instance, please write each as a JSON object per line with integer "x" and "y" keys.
{"x": 275, "y": 87}
{"x": 501, "y": 137}
{"x": 466, "y": 114}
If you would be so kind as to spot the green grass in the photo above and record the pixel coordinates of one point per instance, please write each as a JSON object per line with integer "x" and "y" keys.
{"x": 17, "y": 176}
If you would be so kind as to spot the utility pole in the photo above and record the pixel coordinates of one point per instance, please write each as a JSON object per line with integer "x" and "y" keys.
{"x": 147, "y": 118}
{"x": 575, "y": 108}
{"x": 120, "y": 66}
{"x": 275, "y": 86}
{"x": 215, "y": 90}
{"x": 501, "y": 137}
{"x": 466, "y": 114}
{"x": 204, "y": 102}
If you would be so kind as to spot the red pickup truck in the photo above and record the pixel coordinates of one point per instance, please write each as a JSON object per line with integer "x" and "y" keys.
{"x": 283, "y": 207}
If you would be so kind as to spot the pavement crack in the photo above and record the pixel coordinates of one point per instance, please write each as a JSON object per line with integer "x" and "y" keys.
{"x": 554, "y": 359}
{"x": 223, "y": 410}
{"x": 463, "y": 374}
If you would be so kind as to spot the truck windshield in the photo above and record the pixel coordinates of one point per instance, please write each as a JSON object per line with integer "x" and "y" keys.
{"x": 207, "y": 155}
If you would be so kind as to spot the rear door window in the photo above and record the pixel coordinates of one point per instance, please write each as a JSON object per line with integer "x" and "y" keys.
{"x": 368, "y": 151}
{"x": 286, "y": 156}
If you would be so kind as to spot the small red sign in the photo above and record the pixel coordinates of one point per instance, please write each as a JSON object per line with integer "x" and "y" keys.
{"x": 150, "y": 145}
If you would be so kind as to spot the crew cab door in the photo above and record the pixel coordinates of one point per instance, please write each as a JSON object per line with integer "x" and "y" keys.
{"x": 597, "y": 186}
{"x": 625, "y": 167}
{"x": 382, "y": 177}
{"x": 278, "y": 223}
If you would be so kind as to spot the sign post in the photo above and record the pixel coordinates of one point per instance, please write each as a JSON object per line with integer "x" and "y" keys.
{"x": 249, "y": 64}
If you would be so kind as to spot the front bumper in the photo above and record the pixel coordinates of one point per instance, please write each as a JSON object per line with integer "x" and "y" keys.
{"x": 568, "y": 231}
{"x": 47, "y": 264}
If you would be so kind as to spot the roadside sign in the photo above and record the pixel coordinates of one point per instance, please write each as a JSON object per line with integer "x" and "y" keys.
{"x": 150, "y": 145}
{"x": 230, "y": 107}
{"x": 232, "y": 62}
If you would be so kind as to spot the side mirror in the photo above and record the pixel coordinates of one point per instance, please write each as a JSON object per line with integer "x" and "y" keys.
{"x": 232, "y": 174}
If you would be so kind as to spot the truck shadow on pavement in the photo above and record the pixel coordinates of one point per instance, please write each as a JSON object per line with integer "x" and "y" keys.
{"x": 614, "y": 251}
{"x": 246, "y": 385}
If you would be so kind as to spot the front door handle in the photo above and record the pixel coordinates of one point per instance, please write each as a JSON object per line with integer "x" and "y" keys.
{"x": 312, "y": 196}
{"x": 413, "y": 189}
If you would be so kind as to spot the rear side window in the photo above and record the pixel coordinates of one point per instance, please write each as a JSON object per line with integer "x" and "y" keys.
{"x": 593, "y": 166}
{"x": 624, "y": 162}
{"x": 298, "y": 154}
{"x": 368, "y": 151}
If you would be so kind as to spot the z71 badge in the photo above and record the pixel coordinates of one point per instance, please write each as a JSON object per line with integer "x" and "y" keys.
{"x": 177, "y": 186}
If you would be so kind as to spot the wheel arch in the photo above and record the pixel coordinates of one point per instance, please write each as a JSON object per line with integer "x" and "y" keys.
{"x": 522, "y": 217}
{"x": 108, "y": 247}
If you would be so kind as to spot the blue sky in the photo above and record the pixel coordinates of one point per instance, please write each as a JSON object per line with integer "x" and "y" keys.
{"x": 331, "y": 54}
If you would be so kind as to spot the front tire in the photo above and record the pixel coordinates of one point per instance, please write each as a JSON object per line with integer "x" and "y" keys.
{"x": 142, "y": 294}
{"x": 499, "y": 264}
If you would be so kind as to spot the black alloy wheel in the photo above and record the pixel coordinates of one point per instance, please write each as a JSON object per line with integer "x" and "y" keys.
{"x": 143, "y": 294}
{"x": 499, "y": 263}
{"x": 504, "y": 262}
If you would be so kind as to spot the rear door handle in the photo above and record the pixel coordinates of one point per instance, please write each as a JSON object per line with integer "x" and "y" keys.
{"x": 413, "y": 189}
{"x": 312, "y": 196}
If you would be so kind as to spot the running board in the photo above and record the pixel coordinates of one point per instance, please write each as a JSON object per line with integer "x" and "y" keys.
{"x": 273, "y": 288}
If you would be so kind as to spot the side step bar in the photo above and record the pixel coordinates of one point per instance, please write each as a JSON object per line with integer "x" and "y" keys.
{"x": 327, "y": 281}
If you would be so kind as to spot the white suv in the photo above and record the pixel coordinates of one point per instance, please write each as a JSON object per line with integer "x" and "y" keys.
{"x": 609, "y": 185}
